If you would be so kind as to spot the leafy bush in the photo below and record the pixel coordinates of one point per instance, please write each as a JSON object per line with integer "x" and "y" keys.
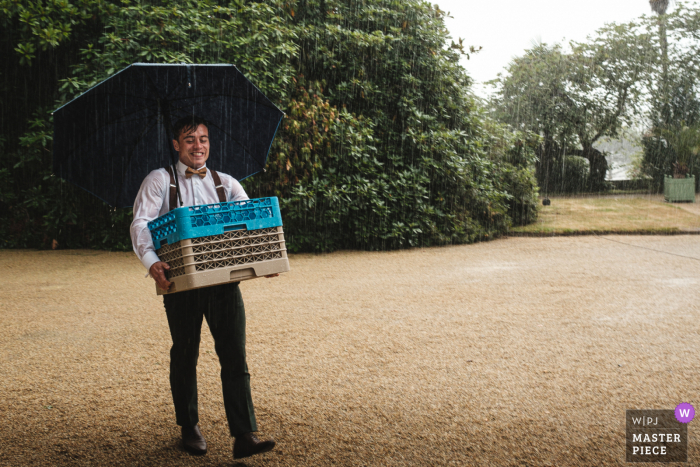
{"x": 516, "y": 164}
{"x": 673, "y": 150}
{"x": 575, "y": 173}
{"x": 413, "y": 169}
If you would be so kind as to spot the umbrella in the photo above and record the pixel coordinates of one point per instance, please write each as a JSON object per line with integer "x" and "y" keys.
{"x": 109, "y": 138}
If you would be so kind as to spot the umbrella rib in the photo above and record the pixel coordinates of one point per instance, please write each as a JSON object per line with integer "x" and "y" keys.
{"x": 119, "y": 95}
{"x": 176, "y": 90}
{"x": 130, "y": 120}
{"x": 168, "y": 128}
{"x": 154, "y": 88}
{"x": 180, "y": 89}
{"x": 146, "y": 129}
{"x": 114, "y": 122}
{"x": 119, "y": 119}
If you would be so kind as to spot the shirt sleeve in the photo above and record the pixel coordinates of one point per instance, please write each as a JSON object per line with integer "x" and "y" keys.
{"x": 234, "y": 190}
{"x": 147, "y": 206}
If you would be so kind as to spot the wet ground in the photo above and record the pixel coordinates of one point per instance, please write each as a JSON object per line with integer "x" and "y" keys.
{"x": 520, "y": 351}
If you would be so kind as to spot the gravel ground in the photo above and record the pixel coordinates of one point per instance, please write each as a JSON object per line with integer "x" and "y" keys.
{"x": 520, "y": 351}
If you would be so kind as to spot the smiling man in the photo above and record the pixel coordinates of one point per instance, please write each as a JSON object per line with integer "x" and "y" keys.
{"x": 221, "y": 305}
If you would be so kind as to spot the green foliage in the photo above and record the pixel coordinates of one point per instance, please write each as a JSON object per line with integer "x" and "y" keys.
{"x": 575, "y": 170}
{"x": 300, "y": 149}
{"x": 382, "y": 147}
{"x": 254, "y": 37}
{"x": 44, "y": 25}
{"x": 573, "y": 99}
{"x": 357, "y": 204}
{"x": 514, "y": 157}
{"x": 647, "y": 69}
{"x": 416, "y": 171}
{"x": 684, "y": 140}
{"x": 673, "y": 86}
{"x": 671, "y": 150}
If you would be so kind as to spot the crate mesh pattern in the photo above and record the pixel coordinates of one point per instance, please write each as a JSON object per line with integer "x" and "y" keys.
{"x": 163, "y": 226}
{"x": 214, "y": 214}
{"x": 228, "y": 249}
{"x": 224, "y": 213}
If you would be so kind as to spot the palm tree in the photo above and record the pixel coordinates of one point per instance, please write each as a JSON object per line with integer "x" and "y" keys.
{"x": 685, "y": 141}
{"x": 659, "y": 7}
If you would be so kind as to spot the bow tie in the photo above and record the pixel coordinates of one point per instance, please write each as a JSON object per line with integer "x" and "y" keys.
{"x": 201, "y": 172}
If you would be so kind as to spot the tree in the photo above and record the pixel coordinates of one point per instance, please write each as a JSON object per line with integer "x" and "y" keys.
{"x": 424, "y": 178}
{"x": 573, "y": 99}
{"x": 672, "y": 88}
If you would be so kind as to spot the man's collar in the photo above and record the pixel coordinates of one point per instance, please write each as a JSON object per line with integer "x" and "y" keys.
{"x": 181, "y": 168}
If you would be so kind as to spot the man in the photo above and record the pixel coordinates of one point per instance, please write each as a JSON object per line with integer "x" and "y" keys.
{"x": 221, "y": 305}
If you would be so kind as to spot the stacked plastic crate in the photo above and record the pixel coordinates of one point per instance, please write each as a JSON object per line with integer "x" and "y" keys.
{"x": 218, "y": 243}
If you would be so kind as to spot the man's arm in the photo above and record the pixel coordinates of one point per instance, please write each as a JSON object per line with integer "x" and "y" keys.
{"x": 147, "y": 206}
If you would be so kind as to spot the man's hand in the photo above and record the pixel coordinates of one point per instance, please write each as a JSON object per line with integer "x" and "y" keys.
{"x": 158, "y": 274}
{"x": 271, "y": 275}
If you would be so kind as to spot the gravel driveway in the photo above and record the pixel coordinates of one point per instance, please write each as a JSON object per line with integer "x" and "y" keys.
{"x": 520, "y": 351}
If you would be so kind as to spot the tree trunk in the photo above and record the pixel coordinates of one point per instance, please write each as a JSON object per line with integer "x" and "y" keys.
{"x": 547, "y": 154}
{"x": 597, "y": 164}
{"x": 659, "y": 7}
{"x": 598, "y": 167}
{"x": 663, "y": 39}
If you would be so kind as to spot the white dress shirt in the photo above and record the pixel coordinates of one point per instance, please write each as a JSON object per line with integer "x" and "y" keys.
{"x": 153, "y": 200}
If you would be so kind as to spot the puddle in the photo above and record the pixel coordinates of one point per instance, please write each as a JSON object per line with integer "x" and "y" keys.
{"x": 680, "y": 282}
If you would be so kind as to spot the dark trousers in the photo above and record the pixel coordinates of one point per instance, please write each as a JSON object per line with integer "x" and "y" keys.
{"x": 222, "y": 306}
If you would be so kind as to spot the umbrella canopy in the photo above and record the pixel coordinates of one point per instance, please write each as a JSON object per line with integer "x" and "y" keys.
{"x": 108, "y": 139}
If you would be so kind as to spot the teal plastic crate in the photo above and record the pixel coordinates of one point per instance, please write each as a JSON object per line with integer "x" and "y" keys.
{"x": 215, "y": 219}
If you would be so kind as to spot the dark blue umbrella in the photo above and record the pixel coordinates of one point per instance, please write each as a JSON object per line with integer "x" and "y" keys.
{"x": 109, "y": 138}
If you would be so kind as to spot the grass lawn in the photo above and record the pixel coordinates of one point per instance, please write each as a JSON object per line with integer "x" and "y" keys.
{"x": 613, "y": 214}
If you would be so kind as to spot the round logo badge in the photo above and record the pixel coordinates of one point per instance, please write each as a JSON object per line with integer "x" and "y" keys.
{"x": 685, "y": 412}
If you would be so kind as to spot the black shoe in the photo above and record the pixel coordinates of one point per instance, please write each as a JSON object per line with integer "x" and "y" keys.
{"x": 193, "y": 440}
{"x": 248, "y": 444}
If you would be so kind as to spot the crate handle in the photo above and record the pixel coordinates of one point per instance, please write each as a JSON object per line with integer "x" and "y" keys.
{"x": 229, "y": 228}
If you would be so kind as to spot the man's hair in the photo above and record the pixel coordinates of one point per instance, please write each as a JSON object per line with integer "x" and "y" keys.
{"x": 187, "y": 124}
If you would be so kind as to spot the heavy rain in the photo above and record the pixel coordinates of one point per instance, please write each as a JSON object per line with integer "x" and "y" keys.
{"x": 461, "y": 237}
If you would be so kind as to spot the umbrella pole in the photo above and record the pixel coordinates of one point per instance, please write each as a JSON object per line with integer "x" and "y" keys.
{"x": 173, "y": 159}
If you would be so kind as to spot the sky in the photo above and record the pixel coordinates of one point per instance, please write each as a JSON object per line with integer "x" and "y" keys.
{"x": 505, "y": 28}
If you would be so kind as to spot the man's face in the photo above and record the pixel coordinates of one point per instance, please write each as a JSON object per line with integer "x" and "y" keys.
{"x": 193, "y": 147}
